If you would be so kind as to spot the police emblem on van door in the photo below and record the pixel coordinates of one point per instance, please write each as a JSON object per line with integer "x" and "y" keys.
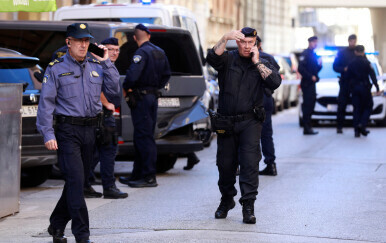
{"x": 137, "y": 58}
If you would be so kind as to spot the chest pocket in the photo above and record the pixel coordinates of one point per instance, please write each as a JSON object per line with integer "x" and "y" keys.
{"x": 96, "y": 84}
{"x": 235, "y": 75}
{"x": 68, "y": 86}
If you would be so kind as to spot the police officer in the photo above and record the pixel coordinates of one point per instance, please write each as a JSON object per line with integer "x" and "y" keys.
{"x": 358, "y": 72}
{"x": 106, "y": 148}
{"x": 340, "y": 65}
{"x": 267, "y": 145}
{"x": 148, "y": 73}
{"x": 309, "y": 67}
{"x": 241, "y": 75}
{"x": 71, "y": 92}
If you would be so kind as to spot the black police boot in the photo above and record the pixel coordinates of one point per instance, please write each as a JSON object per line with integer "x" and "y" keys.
{"x": 357, "y": 133}
{"x": 89, "y": 192}
{"x": 309, "y": 131}
{"x": 224, "y": 207}
{"x": 192, "y": 161}
{"x": 249, "y": 211}
{"x": 84, "y": 241}
{"x": 57, "y": 235}
{"x": 127, "y": 179}
{"x": 270, "y": 170}
{"x": 339, "y": 130}
{"x": 363, "y": 130}
{"x": 145, "y": 182}
{"x": 114, "y": 193}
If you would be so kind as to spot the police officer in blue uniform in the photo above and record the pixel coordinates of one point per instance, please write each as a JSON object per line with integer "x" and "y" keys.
{"x": 340, "y": 65}
{"x": 309, "y": 67}
{"x": 358, "y": 72}
{"x": 241, "y": 75}
{"x": 267, "y": 145}
{"x": 148, "y": 73}
{"x": 106, "y": 147}
{"x": 70, "y": 94}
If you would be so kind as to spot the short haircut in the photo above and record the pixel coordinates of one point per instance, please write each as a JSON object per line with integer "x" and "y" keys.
{"x": 352, "y": 37}
{"x": 360, "y": 48}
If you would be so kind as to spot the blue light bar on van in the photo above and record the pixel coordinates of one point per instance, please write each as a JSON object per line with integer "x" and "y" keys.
{"x": 146, "y": 1}
{"x": 375, "y": 53}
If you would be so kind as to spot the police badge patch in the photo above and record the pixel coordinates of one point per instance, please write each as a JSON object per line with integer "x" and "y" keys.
{"x": 45, "y": 78}
{"x": 137, "y": 58}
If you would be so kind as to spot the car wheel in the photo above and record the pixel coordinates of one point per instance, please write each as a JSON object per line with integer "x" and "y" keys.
{"x": 165, "y": 162}
{"x": 34, "y": 176}
{"x": 56, "y": 172}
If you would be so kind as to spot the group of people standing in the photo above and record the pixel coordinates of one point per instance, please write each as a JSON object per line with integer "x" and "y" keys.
{"x": 355, "y": 70}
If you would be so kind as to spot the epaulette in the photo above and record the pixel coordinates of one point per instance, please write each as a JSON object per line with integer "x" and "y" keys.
{"x": 94, "y": 60}
{"x": 55, "y": 61}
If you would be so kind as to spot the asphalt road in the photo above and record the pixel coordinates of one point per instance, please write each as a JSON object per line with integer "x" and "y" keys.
{"x": 330, "y": 188}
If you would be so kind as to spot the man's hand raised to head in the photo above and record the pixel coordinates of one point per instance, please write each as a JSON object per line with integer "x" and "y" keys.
{"x": 105, "y": 56}
{"x": 235, "y": 35}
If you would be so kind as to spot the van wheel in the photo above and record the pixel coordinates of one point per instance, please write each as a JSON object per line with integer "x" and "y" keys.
{"x": 381, "y": 123}
{"x": 165, "y": 162}
{"x": 34, "y": 176}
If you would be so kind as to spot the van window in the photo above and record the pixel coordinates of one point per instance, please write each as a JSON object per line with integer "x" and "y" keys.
{"x": 190, "y": 24}
{"x": 35, "y": 43}
{"x": 178, "y": 47}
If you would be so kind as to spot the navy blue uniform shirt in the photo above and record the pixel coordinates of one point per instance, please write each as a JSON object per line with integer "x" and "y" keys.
{"x": 150, "y": 68}
{"x": 74, "y": 89}
{"x": 342, "y": 60}
{"x": 308, "y": 66}
{"x": 359, "y": 70}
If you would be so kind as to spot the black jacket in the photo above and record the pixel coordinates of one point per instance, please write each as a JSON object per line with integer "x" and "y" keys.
{"x": 342, "y": 60}
{"x": 358, "y": 73}
{"x": 308, "y": 67}
{"x": 241, "y": 85}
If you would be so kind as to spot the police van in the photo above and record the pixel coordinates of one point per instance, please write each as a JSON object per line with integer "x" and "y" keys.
{"x": 179, "y": 107}
{"x": 159, "y": 14}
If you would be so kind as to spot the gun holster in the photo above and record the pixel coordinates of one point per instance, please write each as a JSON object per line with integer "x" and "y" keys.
{"x": 221, "y": 125}
{"x": 132, "y": 98}
{"x": 259, "y": 113}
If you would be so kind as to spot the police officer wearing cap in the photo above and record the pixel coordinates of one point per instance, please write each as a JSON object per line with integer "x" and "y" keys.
{"x": 242, "y": 76}
{"x": 148, "y": 73}
{"x": 106, "y": 146}
{"x": 340, "y": 65}
{"x": 358, "y": 72}
{"x": 70, "y": 95}
{"x": 267, "y": 145}
{"x": 309, "y": 67}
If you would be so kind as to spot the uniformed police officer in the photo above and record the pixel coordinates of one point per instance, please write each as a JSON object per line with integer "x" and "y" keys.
{"x": 267, "y": 145}
{"x": 241, "y": 75}
{"x": 71, "y": 92}
{"x": 309, "y": 67}
{"x": 106, "y": 148}
{"x": 340, "y": 65}
{"x": 148, "y": 73}
{"x": 358, "y": 72}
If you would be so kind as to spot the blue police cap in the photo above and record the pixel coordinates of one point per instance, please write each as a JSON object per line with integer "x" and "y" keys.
{"x": 143, "y": 28}
{"x": 110, "y": 41}
{"x": 78, "y": 31}
{"x": 249, "y": 32}
{"x": 312, "y": 38}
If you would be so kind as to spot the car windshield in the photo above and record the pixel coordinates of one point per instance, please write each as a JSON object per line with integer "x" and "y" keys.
{"x": 327, "y": 71}
{"x": 19, "y": 75}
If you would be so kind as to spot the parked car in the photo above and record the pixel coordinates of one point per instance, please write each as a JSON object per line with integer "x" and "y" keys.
{"x": 17, "y": 68}
{"x": 179, "y": 107}
{"x": 327, "y": 90}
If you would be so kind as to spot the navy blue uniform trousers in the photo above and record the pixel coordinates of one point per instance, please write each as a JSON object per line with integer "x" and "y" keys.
{"x": 309, "y": 99}
{"x": 144, "y": 118}
{"x": 343, "y": 100}
{"x": 362, "y": 101}
{"x": 243, "y": 147}
{"x": 267, "y": 145}
{"x": 75, "y": 153}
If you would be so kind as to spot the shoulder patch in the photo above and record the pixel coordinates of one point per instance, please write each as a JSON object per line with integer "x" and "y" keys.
{"x": 55, "y": 61}
{"x": 45, "y": 78}
{"x": 137, "y": 58}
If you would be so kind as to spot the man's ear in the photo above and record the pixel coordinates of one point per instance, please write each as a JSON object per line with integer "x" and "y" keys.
{"x": 135, "y": 38}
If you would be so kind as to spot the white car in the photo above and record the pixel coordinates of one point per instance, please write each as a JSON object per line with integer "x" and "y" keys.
{"x": 327, "y": 90}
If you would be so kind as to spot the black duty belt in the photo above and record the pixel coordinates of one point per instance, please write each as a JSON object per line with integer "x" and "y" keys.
{"x": 80, "y": 121}
{"x": 240, "y": 117}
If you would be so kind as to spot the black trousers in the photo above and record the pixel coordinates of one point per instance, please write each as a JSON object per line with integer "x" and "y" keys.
{"x": 144, "y": 118}
{"x": 267, "y": 145}
{"x": 309, "y": 99}
{"x": 343, "y": 100}
{"x": 363, "y": 105}
{"x": 75, "y": 153}
{"x": 241, "y": 148}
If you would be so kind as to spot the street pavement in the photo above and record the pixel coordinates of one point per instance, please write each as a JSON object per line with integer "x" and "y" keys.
{"x": 329, "y": 188}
